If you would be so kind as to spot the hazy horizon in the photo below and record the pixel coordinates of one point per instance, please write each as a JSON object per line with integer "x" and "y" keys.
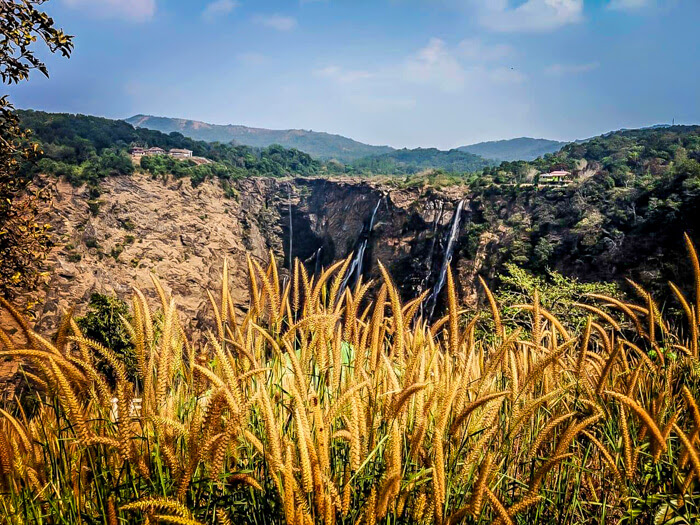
{"x": 404, "y": 73}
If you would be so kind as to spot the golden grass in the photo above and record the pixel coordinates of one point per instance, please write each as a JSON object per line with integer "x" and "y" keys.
{"x": 320, "y": 408}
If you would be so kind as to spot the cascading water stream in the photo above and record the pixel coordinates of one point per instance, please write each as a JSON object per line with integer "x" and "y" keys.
{"x": 449, "y": 249}
{"x": 357, "y": 261}
{"x": 317, "y": 261}
{"x": 429, "y": 259}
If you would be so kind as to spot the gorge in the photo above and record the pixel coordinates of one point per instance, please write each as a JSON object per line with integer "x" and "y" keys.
{"x": 142, "y": 225}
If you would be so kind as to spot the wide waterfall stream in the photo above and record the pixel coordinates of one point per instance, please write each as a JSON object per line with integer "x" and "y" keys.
{"x": 355, "y": 268}
{"x": 447, "y": 259}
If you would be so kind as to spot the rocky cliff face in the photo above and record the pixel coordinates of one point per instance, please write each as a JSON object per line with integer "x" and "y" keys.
{"x": 140, "y": 227}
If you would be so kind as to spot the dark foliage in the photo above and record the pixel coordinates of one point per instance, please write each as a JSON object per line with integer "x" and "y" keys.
{"x": 103, "y": 323}
{"x": 632, "y": 195}
{"x": 411, "y": 161}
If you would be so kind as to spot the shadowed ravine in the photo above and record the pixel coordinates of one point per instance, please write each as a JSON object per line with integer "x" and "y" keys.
{"x": 414, "y": 231}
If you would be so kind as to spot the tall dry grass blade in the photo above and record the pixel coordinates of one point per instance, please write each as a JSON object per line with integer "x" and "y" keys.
{"x": 313, "y": 301}
{"x": 254, "y": 289}
{"x": 536, "y": 319}
{"x": 397, "y": 311}
{"x": 643, "y": 414}
{"x": 543, "y": 434}
{"x": 612, "y": 302}
{"x": 690, "y": 316}
{"x": 494, "y": 308}
{"x": 696, "y": 270}
{"x": 597, "y": 311}
{"x": 452, "y": 311}
{"x": 477, "y": 498}
{"x": 690, "y": 448}
{"x": 470, "y": 407}
{"x": 539, "y": 475}
{"x": 498, "y": 506}
{"x": 609, "y": 363}
{"x": 338, "y": 280}
{"x": 605, "y": 453}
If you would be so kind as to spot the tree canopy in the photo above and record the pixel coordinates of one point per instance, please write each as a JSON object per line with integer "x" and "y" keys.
{"x": 86, "y": 149}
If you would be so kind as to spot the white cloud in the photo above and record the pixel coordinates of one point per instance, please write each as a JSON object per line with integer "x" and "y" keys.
{"x": 132, "y": 10}
{"x": 531, "y": 16}
{"x": 629, "y": 5}
{"x": 278, "y": 22}
{"x": 436, "y": 65}
{"x": 460, "y": 91}
{"x": 450, "y": 70}
{"x": 219, "y": 8}
{"x": 571, "y": 69}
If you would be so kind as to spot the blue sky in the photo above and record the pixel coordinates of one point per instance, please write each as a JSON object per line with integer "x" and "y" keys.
{"x": 409, "y": 73}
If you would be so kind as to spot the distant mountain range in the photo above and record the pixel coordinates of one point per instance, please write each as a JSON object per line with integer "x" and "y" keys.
{"x": 523, "y": 148}
{"x": 327, "y": 146}
{"x": 317, "y": 144}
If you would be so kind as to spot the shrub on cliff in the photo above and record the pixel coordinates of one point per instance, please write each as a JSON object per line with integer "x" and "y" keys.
{"x": 106, "y": 323}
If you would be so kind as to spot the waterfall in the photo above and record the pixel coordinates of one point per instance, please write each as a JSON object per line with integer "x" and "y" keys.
{"x": 436, "y": 221}
{"x": 357, "y": 261}
{"x": 317, "y": 261}
{"x": 449, "y": 249}
{"x": 315, "y": 258}
{"x": 365, "y": 241}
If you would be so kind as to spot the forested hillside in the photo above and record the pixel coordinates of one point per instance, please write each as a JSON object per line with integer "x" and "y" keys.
{"x": 632, "y": 194}
{"x": 318, "y": 144}
{"x": 86, "y": 148}
{"x": 523, "y": 148}
{"x": 410, "y": 161}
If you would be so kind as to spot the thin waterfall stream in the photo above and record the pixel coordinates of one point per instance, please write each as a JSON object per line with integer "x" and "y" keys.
{"x": 317, "y": 261}
{"x": 429, "y": 259}
{"x": 357, "y": 261}
{"x": 447, "y": 259}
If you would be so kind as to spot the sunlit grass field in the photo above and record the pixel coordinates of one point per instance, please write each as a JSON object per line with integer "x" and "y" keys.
{"x": 317, "y": 407}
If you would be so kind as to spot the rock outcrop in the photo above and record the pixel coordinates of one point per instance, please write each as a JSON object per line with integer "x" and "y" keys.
{"x": 139, "y": 227}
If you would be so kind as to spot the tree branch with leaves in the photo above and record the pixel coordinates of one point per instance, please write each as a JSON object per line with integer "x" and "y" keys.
{"x": 23, "y": 241}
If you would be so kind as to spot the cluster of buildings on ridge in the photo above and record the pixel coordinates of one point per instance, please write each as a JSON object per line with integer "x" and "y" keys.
{"x": 175, "y": 152}
{"x": 557, "y": 176}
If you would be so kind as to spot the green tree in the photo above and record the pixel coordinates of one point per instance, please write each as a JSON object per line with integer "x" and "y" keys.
{"x": 104, "y": 323}
{"x": 22, "y": 240}
{"x": 557, "y": 292}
